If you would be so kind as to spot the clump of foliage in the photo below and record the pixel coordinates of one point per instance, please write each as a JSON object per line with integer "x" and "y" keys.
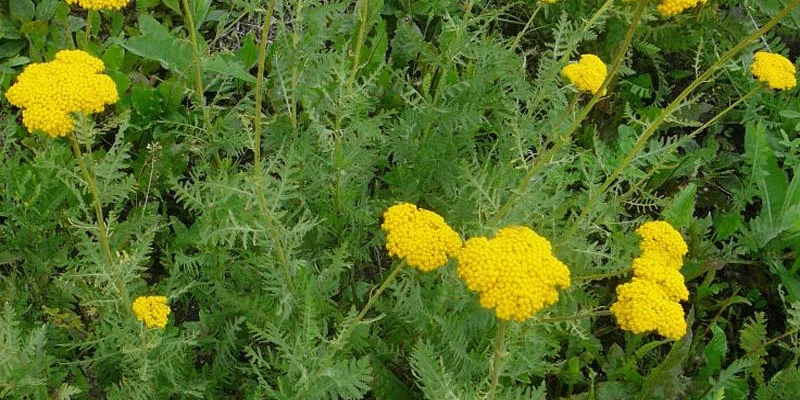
{"x": 215, "y": 231}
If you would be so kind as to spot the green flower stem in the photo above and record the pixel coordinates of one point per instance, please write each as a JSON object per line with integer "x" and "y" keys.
{"x": 102, "y": 233}
{"x": 363, "y": 15}
{"x": 88, "y": 33}
{"x": 527, "y": 26}
{"x": 497, "y": 359}
{"x": 593, "y": 20}
{"x": 671, "y": 107}
{"x": 566, "y": 137}
{"x": 694, "y": 133}
{"x": 444, "y": 71}
{"x": 262, "y": 55}
{"x": 198, "y": 70}
{"x": 342, "y": 338}
{"x": 597, "y": 277}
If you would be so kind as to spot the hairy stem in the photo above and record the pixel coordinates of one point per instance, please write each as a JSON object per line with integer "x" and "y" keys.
{"x": 262, "y": 55}
{"x": 102, "y": 233}
{"x": 198, "y": 70}
{"x": 670, "y": 108}
{"x": 363, "y": 15}
{"x": 566, "y": 137}
{"x": 497, "y": 358}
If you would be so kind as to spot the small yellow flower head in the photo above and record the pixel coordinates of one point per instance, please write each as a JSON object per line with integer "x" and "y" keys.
{"x": 419, "y": 236}
{"x": 674, "y": 7}
{"x": 100, "y": 4}
{"x": 152, "y": 310}
{"x": 549, "y": 1}
{"x": 642, "y": 306}
{"x": 515, "y": 273}
{"x": 659, "y": 237}
{"x": 775, "y": 70}
{"x": 587, "y": 74}
{"x": 655, "y": 268}
{"x": 50, "y": 92}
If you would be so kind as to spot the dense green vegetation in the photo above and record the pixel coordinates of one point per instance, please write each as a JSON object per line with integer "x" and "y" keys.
{"x": 244, "y": 171}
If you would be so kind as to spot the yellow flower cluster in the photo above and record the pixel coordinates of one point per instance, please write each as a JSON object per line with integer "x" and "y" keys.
{"x": 152, "y": 310}
{"x": 651, "y": 301}
{"x": 100, "y": 4}
{"x": 674, "y": 7}
{"x": 50, "y": 92}
{"x": 419, "y": 236}
{"x": 775, "y": 70}
{"x": 515, "y": 273}
{"x": 587, "y": 74}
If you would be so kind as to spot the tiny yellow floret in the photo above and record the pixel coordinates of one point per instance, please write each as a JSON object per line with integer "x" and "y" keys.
{"x": 419, "y": 236}
{"x": 515, "y": 273}
{"x": 775, "y": 70}
{"x": 588, "y": 74}
{"x": 674, "y": 7}
{"x": 100, "y": 4}
{"x": 152, "y": 310}
{"x": 660, "y": 237}
{"x": 49, "y": 93}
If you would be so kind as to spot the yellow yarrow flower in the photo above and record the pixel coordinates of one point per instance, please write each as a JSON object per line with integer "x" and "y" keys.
{"x": 419, "y": 236}
{"x": 775, "y": 70}
{"x": 650, "y": 302}
{"x": 152, "y": 310}
{"x": 588, "y": 74}
{"x": 515, "y": 273}
{"x": 674, "y": 7}
{"x": 642, "y": 306}
{"x": 100, "y": 4}
{"x": 50, "y": 92}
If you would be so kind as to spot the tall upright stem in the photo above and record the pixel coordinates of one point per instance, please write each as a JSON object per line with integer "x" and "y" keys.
{"x": 198, "y": 70}
{"x": 88, "y": 33}
{"x": 102, "y": 233}
{"x": 670, "y": 108}
{"x": 498, "y": 358}
{"x": 262, "y": 55}
{"x": 363, "y": 15}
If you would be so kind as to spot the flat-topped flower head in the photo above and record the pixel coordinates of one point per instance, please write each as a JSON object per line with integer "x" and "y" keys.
{"x": 419, "y": 236}
{"x": 152, "y": 310}
{"x": 775, "y": 70}
{"x": 100, "y": 4}
{"x": 588, "y": 74}
{"x": 515, "y": 273}
{"x": 49, "y": 93}
{"x": 674, "y": 7}
{"x": 642, "y": 306}
{"x": 659, "y": 237}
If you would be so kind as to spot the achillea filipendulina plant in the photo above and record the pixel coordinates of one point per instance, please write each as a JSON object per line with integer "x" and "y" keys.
{"x": 421, "y": 237}
{"x": 152, "y": 310}
{"x": 587, "y": 74}
{"x": 650, "y": 302}
{"x": 775, "y": 70}
{"x": 49, "y": 93}
{"x": 515, "y": 273}
{"x": 100, "y": 4}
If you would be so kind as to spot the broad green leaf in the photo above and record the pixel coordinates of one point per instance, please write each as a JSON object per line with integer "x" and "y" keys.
{"x": 158, "y": 44}
{"x": 680, "y": 210}
{"x": 764, "y": 171}
{"x": 226, "y": 65}
{"x": 22, "y": 10}
{"x": 714, "y": 353}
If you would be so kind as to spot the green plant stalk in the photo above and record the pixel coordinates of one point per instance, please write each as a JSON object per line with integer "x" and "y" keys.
{"x": 671, "y": 107}
{"x": 339, "y": 342}
{"x": 599, "y": 313}
{"x": 527, "y": 26}
{"x": 444, "y": 70}
{"x": 198, "y": 70}
{"x": 102, "y": 234}
{"x": 262, "y": 55}
{"x": 694, "y": 133}
{"x": 88, "y": 33}
{"x": 497, "y": 358}
{"x": 593, "y": 20}
{"x": 363, "y": 15}
{"x": 566, "y": 137}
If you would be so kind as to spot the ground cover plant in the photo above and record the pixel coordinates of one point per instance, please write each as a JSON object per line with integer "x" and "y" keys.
{"x": 399, "y": 199}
